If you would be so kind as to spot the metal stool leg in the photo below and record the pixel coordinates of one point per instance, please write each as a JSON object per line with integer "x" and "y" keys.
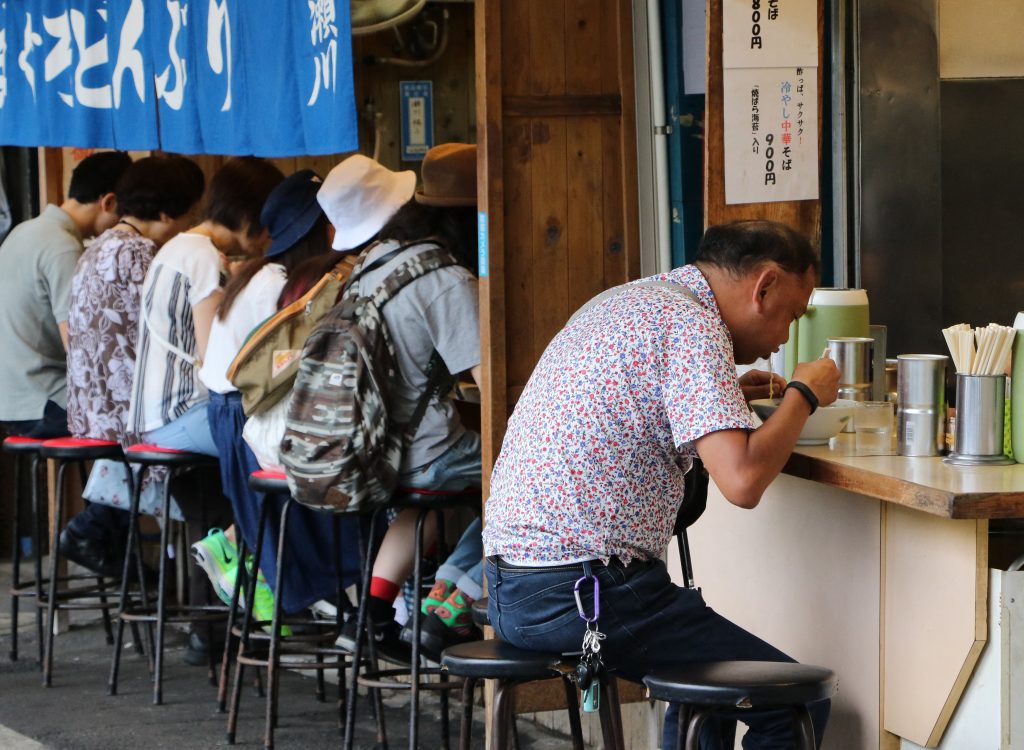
{"x": 39, "y": 535}
{"x": 247, "y": 620}
{"x": 466, "y": 727}
{"x": 273, "y": 673}
{"x": 611, "y": 716}
{"x": 161, "y": 594}
{"x": 133, "y": 542}
{"x": 503, "y": 714}
{"x": 225, "y": 662}
{"x": 365, "y": 550}
{"x": 414, "y": 675}
{"x": 572, "y": 705}
{"x": 804, "y": 728}
{"x": 51, "y": 602}
{"x": 15, "y": 557}
{"x": 697, "y": 719}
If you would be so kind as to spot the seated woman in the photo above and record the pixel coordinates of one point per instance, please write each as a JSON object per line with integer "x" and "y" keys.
{"x": 437, "y": 312}
{"x": 301, "y": 237}
{"x": 180, "y": 296}
{"x": 155, "y": 197}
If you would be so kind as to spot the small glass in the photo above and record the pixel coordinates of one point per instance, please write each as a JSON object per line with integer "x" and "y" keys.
{"x": 873, "y": 428}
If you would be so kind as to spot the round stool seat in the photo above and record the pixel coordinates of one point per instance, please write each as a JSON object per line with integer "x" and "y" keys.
{"x": 480, "y": 614}
{"x": 154, "y": 455}
{"x": 496, "y": 659}
{"x": 413, "y": 497}
{"x": 80, "y": 449}
{"x": 18, "y": 444}
{"x": 269, "y": 482}
{"x": 746, "y": 684}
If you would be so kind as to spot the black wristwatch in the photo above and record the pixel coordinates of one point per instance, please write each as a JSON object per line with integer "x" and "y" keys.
{"x": 804, "y": 390}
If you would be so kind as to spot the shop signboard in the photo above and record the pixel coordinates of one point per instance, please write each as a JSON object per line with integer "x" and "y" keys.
{"x": 191, "y": 76}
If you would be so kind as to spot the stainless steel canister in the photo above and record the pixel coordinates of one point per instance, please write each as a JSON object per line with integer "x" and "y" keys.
{"x": 853, "y": 357}
{"x": 980, "y": 416}
{"x": 921, "y": 404}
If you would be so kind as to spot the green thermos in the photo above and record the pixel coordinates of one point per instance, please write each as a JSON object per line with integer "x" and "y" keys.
{"x": 830, "y": 313}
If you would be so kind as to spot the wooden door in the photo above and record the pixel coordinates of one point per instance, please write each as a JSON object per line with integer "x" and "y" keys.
{"x": 557, "y": 178}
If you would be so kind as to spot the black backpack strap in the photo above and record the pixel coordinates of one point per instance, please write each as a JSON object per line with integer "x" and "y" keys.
{"x": 439, "y": 381}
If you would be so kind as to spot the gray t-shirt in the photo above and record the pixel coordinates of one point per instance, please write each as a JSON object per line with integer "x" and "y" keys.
{"x": 441, "y": 311}
{"x": 37, "y": 263}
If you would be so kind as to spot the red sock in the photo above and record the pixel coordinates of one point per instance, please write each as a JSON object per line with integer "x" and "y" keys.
{"x": 384, "y": 589}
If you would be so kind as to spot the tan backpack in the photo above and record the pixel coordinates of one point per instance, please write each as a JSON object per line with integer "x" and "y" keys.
{"x": 265, "y": 367}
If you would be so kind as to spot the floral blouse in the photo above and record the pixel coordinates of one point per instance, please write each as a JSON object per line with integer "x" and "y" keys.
{"x": 103, "y": 328}
{"x": 593, "y": 461}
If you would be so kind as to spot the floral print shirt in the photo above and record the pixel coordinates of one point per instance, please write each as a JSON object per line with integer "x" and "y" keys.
{"x": 103, "y": 328}
{"x": 593, "y": 461}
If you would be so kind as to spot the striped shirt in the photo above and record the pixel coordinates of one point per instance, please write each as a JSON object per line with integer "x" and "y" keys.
{"x": 184, "y": 273}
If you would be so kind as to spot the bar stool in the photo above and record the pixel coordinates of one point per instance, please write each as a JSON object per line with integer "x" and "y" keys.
{"x": 425, "y": 501}
{"x": 509, "y": 665}
{"x": 177, "y": 462}
{"x": 65, "y": 451}
{"x": 26, "y": 456}
{"x": 271, "y": 647}
{"x": 709, "y": 688}
{"x": 703, "y": 689}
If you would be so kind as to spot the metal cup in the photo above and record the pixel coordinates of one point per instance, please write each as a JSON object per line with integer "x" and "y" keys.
{"x": 921, "y": 404}
{"x": 853, "y": 357}
{"x": 978, "y": 435}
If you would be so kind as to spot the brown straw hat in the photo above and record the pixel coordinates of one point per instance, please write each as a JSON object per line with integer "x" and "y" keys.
{"x": 449, "y": 176}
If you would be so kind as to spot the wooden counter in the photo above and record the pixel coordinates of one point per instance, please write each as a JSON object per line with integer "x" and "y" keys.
{"x": 925, "y": 484}
{"x": 876, "y": 566}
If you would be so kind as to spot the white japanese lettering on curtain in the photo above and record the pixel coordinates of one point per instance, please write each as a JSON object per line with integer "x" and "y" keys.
{"x": 193, "y": 76}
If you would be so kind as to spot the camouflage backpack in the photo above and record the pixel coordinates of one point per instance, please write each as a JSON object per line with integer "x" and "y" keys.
{"x": 341, "y": 449}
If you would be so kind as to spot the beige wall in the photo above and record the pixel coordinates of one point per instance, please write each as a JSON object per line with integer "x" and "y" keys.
{"x": 981, "y": 38}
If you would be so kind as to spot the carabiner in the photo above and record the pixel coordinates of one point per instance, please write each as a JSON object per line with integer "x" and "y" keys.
{"x": 579, "y": 601}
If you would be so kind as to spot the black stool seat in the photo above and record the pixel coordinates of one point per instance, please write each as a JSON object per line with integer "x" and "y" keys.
{"x": 17, "y": 444}
{"x": 269, "y": 482}
{"x": 495, "y": 659}
{"x": 746, "y": 684}
{"x": 152, "y": 455}
{"x": 79, "y": 449}
{"x": 480, "y": 614}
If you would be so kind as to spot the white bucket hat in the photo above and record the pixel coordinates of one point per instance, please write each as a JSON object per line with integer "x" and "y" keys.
{"x": 360, "y": 195}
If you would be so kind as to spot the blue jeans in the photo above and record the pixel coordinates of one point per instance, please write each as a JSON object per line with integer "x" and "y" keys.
{"x": 456, "y": 469}
{"x": 309, "y": 573}
{"x": 649, "y": 622}
{"x": 189, "y": 432}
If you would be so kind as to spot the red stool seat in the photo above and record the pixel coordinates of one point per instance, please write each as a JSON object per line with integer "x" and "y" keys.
{"x": 80, "y": 449}
{"x": 269, "y": 482}
{"x": 18, "y": 444}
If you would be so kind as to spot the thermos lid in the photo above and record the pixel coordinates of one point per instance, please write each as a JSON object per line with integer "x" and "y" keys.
{"x": 838, "y": 297}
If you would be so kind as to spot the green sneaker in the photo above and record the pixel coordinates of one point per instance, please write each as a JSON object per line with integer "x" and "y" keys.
{"x": 263, "y": 604}
{"x": 218, "y": 557}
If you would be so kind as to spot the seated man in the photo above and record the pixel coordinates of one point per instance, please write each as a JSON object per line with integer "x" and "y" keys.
{"x": 590, "y": 476}
{"x": 37, "y": 262}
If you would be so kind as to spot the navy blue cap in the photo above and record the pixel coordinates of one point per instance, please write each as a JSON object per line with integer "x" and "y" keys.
{"x": 291, "y": 211}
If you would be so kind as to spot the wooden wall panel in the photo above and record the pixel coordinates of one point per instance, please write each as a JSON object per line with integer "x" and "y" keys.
{"x": 802, "y": 215}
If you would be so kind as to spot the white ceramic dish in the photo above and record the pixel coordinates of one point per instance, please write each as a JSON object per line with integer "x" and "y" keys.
{"x": 824, "y": 424}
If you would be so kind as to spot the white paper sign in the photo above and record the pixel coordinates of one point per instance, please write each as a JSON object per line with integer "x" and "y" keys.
{"x": 771, "y": 134}
{"x": 770, "y": 33}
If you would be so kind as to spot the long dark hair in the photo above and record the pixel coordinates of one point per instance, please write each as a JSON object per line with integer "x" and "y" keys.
{"x": 307, "y": 249}
{"x": 454, "y": 228}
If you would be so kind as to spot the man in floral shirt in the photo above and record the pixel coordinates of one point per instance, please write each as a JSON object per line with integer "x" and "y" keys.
{"x": 590, "y": 476}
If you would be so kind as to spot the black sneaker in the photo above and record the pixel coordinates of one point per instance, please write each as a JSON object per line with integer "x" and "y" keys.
{"x": 385, "y": 630}
{"x": 92, "y": 554}
{"x": 197, "y": 653}
{"x": 435, "y": 636}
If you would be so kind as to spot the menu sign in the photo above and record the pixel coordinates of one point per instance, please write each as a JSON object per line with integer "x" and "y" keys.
{"x": 770, "y": 81}
{"x": 771, "y": 134}
{"x": 770, "y": 33}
